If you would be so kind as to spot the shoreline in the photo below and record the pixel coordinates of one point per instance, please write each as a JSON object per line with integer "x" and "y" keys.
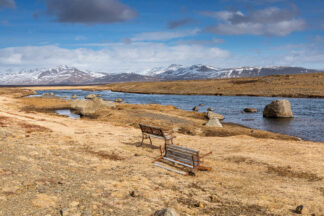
{"x": 291, "y": 86}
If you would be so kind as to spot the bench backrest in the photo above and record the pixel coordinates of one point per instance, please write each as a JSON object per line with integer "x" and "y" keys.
{"x": 151, "y": 130}
{"x": 184, "y": 155}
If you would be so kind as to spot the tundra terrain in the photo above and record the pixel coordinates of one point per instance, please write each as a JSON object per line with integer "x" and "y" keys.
{"x": 298, "y": 85}
{"x": 55, "y": 165}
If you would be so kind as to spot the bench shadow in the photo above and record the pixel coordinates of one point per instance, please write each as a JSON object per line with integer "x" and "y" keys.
{"x": 144, "y": 145}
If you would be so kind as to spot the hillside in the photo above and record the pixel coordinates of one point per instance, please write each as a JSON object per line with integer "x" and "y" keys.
{"x": 300, "y": 85}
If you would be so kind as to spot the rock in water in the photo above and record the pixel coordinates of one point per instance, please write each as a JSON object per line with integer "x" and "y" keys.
{"x": 250, "y": 110}
{"x": 278, "y": 109}
{"x": 195, "y": 108}
{"x": 90, "y": 96}
{"x": 210, "y": 109}
{"x": 119, "y": 100}
{"x": 214, "y": 122}
{"x": 166, "y": 212}
{"x": 74, "y": 96}
{"x": 211, "y": 115}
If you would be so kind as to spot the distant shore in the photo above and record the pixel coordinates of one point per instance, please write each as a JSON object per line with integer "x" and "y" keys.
{"x": 293, "y": 86}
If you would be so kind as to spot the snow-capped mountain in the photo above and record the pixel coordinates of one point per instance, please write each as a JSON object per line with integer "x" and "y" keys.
{"x": 179, "y": 72}
{"x": 65, "y": 75}
{"x": 52, "y": 76}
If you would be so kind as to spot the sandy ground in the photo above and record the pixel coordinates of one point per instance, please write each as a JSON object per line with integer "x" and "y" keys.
{"x": 54, "y": 165}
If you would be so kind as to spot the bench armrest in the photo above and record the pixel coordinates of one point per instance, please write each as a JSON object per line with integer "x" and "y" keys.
{"x": 205, "y": 154}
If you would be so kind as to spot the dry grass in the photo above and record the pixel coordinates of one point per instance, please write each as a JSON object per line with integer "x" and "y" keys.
{"x": 40, "y": 104}
{"x": 32, "y": 128}
{"x": 289, "y": 172}
{"x": 301, "y": 85}
{"x": 91, "y": 167}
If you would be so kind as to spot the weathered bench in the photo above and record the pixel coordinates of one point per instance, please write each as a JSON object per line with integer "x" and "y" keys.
{"x": 148, "y": 131}
{"x": 182, "y": 156}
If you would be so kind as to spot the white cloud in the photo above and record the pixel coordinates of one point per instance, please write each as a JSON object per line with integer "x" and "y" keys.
{"x": 269, "y": 21}
{"x": 114, "y": 58}
{"x": 163, "y": 36}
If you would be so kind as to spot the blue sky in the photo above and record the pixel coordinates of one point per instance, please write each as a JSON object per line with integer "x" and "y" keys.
{"x": 136, "y": 35}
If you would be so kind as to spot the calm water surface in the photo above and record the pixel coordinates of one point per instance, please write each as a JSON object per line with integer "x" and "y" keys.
{"x": 308, "y": 122}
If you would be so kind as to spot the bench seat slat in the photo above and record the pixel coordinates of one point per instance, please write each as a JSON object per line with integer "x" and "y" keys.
{"x": 179, "y": 147}
{"x": 190, "y": 162}
{"x": 179, "y": 154}
{"x": 178, "y": 162}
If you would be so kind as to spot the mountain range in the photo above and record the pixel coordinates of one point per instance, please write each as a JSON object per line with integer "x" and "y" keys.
{"x": 65, "y": 75}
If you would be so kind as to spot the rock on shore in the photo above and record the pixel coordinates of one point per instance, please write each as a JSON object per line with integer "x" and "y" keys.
{"x": 278, "y": 109}
{"x": 89, "y": 107}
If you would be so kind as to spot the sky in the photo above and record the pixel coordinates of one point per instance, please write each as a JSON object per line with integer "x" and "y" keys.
{"x": 117, "y": 36}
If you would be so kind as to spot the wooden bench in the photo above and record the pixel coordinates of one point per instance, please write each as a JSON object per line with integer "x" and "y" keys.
{"x": 148, "y": 131}
{"x": 182, "y": 156}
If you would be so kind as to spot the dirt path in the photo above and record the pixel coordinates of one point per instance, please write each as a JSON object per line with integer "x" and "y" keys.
{"x": 54, "y": 165}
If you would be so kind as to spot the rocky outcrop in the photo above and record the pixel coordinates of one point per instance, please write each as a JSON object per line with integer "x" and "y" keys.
{"x": 250, "y": 110}
{"x": 210, "y": 109}
{"x": 166, "y": 212}
{"x": 89, "y": 108}
{"x": 74, "y": 96}
{"x": 214, "y": 122}
{"x": 195, "y": 109}
{"x": 212, "y": 115}
{"x": 278, "y": 109}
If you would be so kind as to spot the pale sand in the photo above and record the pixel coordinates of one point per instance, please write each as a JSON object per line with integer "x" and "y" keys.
{"x": 74, "y": 169}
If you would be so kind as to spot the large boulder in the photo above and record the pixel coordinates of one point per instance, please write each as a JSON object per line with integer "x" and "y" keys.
{"x": 166, "y": 212}
{"x": 212, "y": 115}
{"x": 195, "y": 109}
{"x": 278, "y": 109}
{"x": 90, "y": 107}
{"x": 214, "y": 122}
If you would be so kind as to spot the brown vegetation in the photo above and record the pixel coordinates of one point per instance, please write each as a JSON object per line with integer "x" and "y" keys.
{"x": 93, "y": 167}
{"x": 301, "y": 85}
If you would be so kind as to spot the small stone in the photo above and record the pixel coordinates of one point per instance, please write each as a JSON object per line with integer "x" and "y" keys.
{"x": 250, "y": 110}
{"x": 201, "y": 104}
{"x": 86, "y": 213}
{"x": 133, "y": 194}
{"x": 41, "y": 189}
{"x": 195, "y": 108}
{"x": 214, "y": 198}
{"x": 299, "y": 209}
{"x": 210, "y": 109}
{"x": 166, "y": 212}
{"x": 74, "y": 203}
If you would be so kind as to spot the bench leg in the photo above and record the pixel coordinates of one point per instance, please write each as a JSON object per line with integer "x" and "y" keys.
{"x": 150, "y": 140}
{"x": 202, "y": 168}
{"x": 142, "y": 140}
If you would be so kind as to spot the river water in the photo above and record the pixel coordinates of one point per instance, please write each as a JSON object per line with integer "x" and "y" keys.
{"x": 308, "y": 121}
